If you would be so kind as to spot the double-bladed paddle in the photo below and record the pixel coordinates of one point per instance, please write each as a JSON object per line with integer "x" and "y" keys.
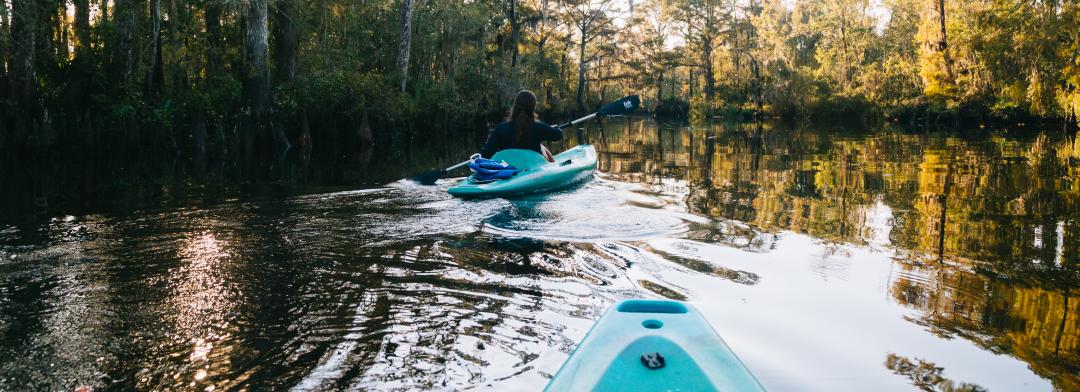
{"x": 617, "y": 108}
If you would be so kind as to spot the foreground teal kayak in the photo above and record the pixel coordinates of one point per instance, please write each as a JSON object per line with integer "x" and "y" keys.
{"x": 647, "y": 345}
{"x": 537, "y": 174}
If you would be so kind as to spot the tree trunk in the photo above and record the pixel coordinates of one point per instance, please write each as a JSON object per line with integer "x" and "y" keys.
{"x": 935, "y": 65}
{"x": 581, "y": 74}
{"x": 938, "y": 7}
{"x": 365, "y": 146}
{"x": 755, "y": 84}
{"x": 660, "y": 87}
{"x": 602, "y": 76}
{"x": 543, "y": 23}
{"x": 46, "y": 30}
{"x": 199, "y": 137}
{"x": 693, "y": 86}
{"x": 735, "y": 49}
{"x": 406, "y": 41}
{"x": 514, "y": 33}
{"x": 82, "y": 29}
{"x": 212, "y": 18}
{"x": 79, "y": 86}
{"x": 564, "y": 72}
{"x": 22, "y": 70}
{"x": 256, "y": 54}
{"x": 222, "y": 144}
{"x": 364, "y": 137}
{"x": 304, "y": 141}
{"x": 63, "y": 31}
{"x": 257, "y": 101}
{"x": 156, "y": 78}
{"x": 943, "y": 45}
{"x": 4, "y": 48}
{"x": 177, "y": 78}
{"x": 755, "y": 66}
{"x": 707, "y": 62}
{"x": 285, "y": 36}
{"x": 120, "y": 64}
{"x": 544, "y": 13}
{"x": 671, "y": 86}
{"x": 285, "y": 44}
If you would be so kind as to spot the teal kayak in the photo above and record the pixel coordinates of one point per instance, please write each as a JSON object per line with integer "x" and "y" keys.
{"x": 648, "y": 345}
{"x": 537, "y": 174}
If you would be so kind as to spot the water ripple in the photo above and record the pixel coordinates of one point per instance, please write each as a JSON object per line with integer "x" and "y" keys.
{"x": 403, "y": 287}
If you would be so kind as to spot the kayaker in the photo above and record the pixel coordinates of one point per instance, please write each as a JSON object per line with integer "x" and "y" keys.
{"x": 521, "y": 130}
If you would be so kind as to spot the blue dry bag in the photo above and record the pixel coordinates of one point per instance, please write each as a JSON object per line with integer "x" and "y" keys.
{"x": 488, "y": 170}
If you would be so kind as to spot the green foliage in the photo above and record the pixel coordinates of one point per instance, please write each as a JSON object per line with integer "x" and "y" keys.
{"x": 700, "y": 108}
{"x": 468, "y": 58}
{"x": 218, "y": 94}
{"x": 995, "y": 58}
{"x": 939, "y": 86}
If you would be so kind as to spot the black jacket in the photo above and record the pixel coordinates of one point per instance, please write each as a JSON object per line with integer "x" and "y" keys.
{"x": 504, "y": 136}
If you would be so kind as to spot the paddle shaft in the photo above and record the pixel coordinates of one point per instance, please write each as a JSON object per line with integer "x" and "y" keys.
{"x": 580, "y": 120}
{"x": 472, "y": 157}
{"x": 457, "y": 165}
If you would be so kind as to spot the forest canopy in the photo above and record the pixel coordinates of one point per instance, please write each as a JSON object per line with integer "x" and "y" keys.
{"x": 250, "y": 76}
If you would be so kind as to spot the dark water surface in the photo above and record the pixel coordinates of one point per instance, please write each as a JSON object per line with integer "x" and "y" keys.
{"x": 827, "y": 259}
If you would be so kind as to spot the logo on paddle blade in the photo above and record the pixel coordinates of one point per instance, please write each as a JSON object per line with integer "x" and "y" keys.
{"x": 627, "y": 104}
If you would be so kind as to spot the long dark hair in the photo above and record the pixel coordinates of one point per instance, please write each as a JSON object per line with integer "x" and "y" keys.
{"x": 523, "y": 114}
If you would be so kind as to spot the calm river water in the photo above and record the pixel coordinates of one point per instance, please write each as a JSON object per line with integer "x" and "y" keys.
{"x": 827, "y": 259}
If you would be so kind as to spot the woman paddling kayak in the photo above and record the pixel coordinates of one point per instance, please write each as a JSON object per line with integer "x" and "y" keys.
{"x": 504, "y": 142}
{"x": 521, "y": 130}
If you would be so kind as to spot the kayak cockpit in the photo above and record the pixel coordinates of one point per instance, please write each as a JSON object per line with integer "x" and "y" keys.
{"x": 520, "y": 158}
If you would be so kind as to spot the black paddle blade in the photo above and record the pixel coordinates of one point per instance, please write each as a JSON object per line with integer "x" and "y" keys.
{"x": 429, "y": 178}
{"x": 620, "y": 107}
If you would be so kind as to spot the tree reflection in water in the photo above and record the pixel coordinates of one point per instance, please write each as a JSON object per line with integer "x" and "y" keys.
{"x": 986, "y": 228}
{"x": 926, "y": 375}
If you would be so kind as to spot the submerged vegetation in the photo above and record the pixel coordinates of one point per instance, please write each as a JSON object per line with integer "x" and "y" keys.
{"x": 244, "y": 80}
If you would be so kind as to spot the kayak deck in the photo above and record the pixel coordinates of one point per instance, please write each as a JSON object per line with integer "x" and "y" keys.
{"x": 653, "y": 345}
{"x": 537, "y": 174}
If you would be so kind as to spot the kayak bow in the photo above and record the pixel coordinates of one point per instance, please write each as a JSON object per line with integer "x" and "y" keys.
{"x": 655, "y": 346}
